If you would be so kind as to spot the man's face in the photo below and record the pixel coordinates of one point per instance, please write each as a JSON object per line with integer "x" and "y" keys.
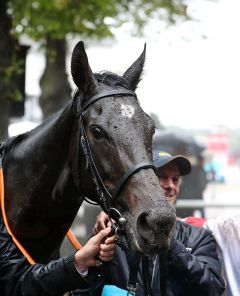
{"x": 169, "y": 179}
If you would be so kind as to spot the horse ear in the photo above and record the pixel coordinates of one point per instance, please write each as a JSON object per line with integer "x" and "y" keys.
{"x": 133, "y": 73}
{"x": 81, "y": 72}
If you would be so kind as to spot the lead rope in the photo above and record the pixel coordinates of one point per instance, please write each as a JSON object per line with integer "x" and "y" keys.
{"x": 72, "y": 238}
{"x": 163, "y": 264}
{"x": 17, "y": 243}
{"x": 148, "y": 280}
{"x": 133, "y": 259}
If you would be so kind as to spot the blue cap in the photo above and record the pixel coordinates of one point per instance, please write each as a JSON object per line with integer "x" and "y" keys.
{"x": 161, "y": 158}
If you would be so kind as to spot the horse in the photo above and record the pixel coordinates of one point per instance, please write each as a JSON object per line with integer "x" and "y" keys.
{"x": 99, "y": 148}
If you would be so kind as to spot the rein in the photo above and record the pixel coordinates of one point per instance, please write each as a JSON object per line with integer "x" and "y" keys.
{"x": 70, "y": 235}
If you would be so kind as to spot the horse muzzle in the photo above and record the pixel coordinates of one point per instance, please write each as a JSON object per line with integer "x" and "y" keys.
{"x": 153, "y": 229}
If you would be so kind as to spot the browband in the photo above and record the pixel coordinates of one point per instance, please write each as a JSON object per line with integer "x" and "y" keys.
{"x": 105, "y": 94}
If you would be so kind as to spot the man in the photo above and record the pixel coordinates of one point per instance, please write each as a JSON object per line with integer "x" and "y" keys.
{"x": 19, "y": 278}
{"x": 193, "y": 265}
{"x": 193, "y": 187}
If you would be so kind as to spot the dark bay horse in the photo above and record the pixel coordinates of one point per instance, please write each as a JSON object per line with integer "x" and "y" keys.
{"x": 99, "y": 147}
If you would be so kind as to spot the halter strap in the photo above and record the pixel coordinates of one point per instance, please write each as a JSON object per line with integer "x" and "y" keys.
{"x": 128, "y": 174}
{"x": 101, "y": 189}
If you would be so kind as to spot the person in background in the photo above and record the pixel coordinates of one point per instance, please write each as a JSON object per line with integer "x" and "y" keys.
{"x": 226, "y": 230}
{"x": 193, "y": 187}
{"x": 193, "y": 265}
{"x": 19, "y": 278}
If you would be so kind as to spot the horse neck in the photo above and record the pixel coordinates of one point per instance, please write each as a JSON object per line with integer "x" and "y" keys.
{"x": 38, "y": 161}
{"x": 39, "y": 184}
{"x": 47, "y": 146}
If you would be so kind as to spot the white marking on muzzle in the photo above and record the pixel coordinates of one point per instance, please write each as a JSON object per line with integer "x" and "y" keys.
{"x": 127, "y": 110}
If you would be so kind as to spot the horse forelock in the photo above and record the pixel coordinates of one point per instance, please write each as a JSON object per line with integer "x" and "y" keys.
{"x": 111, "y": 79}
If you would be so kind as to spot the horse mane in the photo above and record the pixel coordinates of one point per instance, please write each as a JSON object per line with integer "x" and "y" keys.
{"x": 12, "y": 142}
{"x": 106, "y": 77}
{"x": 15, "y": 140}
{"x": 111, "y": 79}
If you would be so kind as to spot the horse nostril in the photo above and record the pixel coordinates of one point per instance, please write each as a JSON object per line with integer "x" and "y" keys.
{"x": 154, "y": 227}
{"x": 144, "y": 228}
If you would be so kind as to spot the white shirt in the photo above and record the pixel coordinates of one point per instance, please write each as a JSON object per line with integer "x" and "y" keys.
{"x": 226, "y": 230}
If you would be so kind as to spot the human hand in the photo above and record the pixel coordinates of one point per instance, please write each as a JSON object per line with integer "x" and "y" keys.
{"x": 99, "y": 246}
{"x": 101, "y": 223}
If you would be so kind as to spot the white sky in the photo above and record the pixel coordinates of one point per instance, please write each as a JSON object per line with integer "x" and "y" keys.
{"x": 189, "y": 81}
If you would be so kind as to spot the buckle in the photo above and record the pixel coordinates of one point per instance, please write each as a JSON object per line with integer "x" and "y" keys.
{"x": 131, "y": 289}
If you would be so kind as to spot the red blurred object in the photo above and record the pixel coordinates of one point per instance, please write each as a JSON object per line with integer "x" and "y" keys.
{"x": 194, "y": 221}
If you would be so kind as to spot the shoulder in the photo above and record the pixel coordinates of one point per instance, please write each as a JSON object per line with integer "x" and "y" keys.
{"x": 225, "y": 222}
{"x": 195, "y": 236}
{"x": 183, "y": 225}
{"x": 225, "y": 228}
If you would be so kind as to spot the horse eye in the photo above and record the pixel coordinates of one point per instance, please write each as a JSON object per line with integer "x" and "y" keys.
{"x": 97, "y": 132}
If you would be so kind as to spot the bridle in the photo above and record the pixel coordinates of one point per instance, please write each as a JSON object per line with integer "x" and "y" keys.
{"x": 103, "y": 197}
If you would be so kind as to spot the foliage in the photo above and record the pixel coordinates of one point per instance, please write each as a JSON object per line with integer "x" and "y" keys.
{"x": 8, "y": 74}
{"x": 41, "y": 18}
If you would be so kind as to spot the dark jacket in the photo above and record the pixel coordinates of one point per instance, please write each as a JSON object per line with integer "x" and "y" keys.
{"x": 193, "y": 266}
{"x": 19, "y": 278}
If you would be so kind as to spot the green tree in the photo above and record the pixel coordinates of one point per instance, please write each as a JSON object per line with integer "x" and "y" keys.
{"x": 9, "y": 67}
{"x": 49, "y": 22}
{"x": 5, "y": 26}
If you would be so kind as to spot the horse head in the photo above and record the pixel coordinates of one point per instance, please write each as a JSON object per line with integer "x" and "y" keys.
{"x": 115, "y": 145}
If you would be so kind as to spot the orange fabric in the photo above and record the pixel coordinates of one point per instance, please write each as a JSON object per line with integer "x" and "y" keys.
{"x": 17, "y": 243}
{"x": 72, "y": 238}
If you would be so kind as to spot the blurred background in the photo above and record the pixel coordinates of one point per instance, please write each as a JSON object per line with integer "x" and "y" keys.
{"x": 190, "y": 83}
